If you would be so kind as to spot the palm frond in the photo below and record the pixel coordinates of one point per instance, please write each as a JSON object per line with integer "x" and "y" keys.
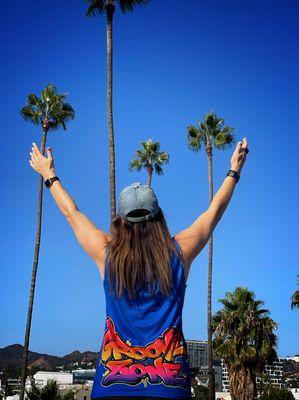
{"x": 202, "y": 126}
{"x": 219, "y": 123}
{"x": 193, "y": 132}
{"x": 155, "y": 147}
{"x": 129, "y": 5}
{"x": 135, "y": 165}
{"x": 158, "y": 169}
{"x": 29, "y": 114}
{"x": 49, "y": 93}
{"x": 33, "y": 100}
{"x": 211, "y": 120}
{"x": 194, "y": 138}
{"x": 224, "y": 138}
{"x": 97, "y": 7}
{"x": 145, "y": 144}
{"x": 295, "y": 300}
{"x": 162, "y": 158}
{"x": 142, "y": 155}
{"x": 194, "y": 144}
{"x": 59, "y": 112}
{"x": 67, "y": 111}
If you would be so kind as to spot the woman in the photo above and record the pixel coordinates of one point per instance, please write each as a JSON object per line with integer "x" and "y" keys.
{"x": 144, "y": 271}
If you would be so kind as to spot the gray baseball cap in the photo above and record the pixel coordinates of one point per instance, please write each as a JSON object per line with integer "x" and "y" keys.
{"x": 137, "y": 197}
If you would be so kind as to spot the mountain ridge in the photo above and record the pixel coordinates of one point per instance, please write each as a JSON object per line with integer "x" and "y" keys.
{"x": 11, "y": 356}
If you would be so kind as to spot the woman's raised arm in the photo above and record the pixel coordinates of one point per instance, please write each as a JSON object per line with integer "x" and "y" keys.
{"x": 93, "y": 240}
{"x": 193, "y": 239}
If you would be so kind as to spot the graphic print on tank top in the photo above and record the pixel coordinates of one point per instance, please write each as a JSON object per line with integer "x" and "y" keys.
{"x": 156, "y": 362}
{"x": 143, "y": 350}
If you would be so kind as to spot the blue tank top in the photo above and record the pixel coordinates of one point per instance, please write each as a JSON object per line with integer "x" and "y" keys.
{"x": 143, "y": 351}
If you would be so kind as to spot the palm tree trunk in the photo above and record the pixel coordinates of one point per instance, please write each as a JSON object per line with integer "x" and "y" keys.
{"x": 109, "y": 14}
{"x": 210, "y": 348}
{"x": 149, "y": 176}
{"x": 242, "y": 383}
{"x": 33, "y": 277}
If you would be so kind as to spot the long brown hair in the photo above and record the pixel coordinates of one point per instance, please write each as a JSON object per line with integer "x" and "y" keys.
{"x": 139, "y": 254}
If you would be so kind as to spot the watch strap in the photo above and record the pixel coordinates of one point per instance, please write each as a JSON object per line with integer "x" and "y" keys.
{"x": 49, "y": 182}
{"x": 234, "y": 174}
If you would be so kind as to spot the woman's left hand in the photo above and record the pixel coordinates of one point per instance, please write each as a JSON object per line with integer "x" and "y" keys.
{"x": 42, "y": 165}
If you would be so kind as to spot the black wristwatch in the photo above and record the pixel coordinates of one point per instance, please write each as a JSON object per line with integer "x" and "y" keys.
{"x": 49, "y": 182}
{"x": 234, "y": 174}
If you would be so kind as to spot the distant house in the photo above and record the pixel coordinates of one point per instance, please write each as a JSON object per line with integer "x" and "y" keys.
{"x": 62, "y": 378}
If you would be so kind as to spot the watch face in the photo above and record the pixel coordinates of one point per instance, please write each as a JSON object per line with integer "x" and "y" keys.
{"x": 234, "y": 175}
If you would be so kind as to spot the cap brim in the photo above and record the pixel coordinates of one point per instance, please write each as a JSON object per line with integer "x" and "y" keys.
{"x": 143, "y": 217}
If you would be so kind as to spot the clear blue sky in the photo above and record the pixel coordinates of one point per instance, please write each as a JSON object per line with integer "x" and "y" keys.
{"x": 174, "y": 61}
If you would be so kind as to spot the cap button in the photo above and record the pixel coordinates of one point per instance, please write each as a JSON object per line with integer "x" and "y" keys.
{"x": 135, "y": 186}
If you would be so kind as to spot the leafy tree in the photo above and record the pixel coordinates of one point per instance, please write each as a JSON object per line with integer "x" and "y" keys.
{"x": 106, "y": 7}
{"x": 201, "y": 392}
{"x": 275, "y": 393}
{"x": 49, "y": 392}
{"x": 264, "y": 382}
{"x": 151, "y": 158}
{"x": 245, "y": 339}
{"x": 51, "y": 112}
{"x": 210, "y": 133}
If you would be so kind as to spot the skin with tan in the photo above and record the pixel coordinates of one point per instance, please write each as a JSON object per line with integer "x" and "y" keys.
{"x": 94, "y": 241}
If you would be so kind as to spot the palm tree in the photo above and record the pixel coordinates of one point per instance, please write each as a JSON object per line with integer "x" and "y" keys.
{"x": 50, "y": 112}
{"x": 151, "y": 158}
{"x": 101, "y": 7}
{"x": 210, "y": 133}
{"x": 245, "y": 339}
{"x": 49, "y": 392}
{"x": 295, "y": 298}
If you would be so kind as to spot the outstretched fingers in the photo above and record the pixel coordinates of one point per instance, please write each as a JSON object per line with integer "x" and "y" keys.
{"x": 36, "y": 151}
{"x": 244, "y": 147}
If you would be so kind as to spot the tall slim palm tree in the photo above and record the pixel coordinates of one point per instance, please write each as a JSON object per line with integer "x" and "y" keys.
{"x": 101, "y": 7}
{"x": 210, "y": 133}
{"x": 151, "y": 158}
{"x": 50, "y": 112}
{"x": 245, "y": 338}
{"x": 295, "y": 298}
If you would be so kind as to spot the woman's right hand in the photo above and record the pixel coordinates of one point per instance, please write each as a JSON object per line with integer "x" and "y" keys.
{"x": 239, "y": 156}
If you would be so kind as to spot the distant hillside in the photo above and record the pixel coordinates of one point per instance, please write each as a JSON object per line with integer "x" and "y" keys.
{"x": 12, "y": 356}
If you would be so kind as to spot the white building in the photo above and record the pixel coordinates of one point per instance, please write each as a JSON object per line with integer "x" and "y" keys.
{"x": 273, "y": 372}
{"x": 295, "y": 393}
{"x": 197, "y": 353}
{"x": 222, "y": 396}
{"x": 294, "y": 358}
{"x": 83, "y": 375}
{"x": 225, "y": 381}
{"x": 63, "y": 378}
{"x": 14, "y": 397}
